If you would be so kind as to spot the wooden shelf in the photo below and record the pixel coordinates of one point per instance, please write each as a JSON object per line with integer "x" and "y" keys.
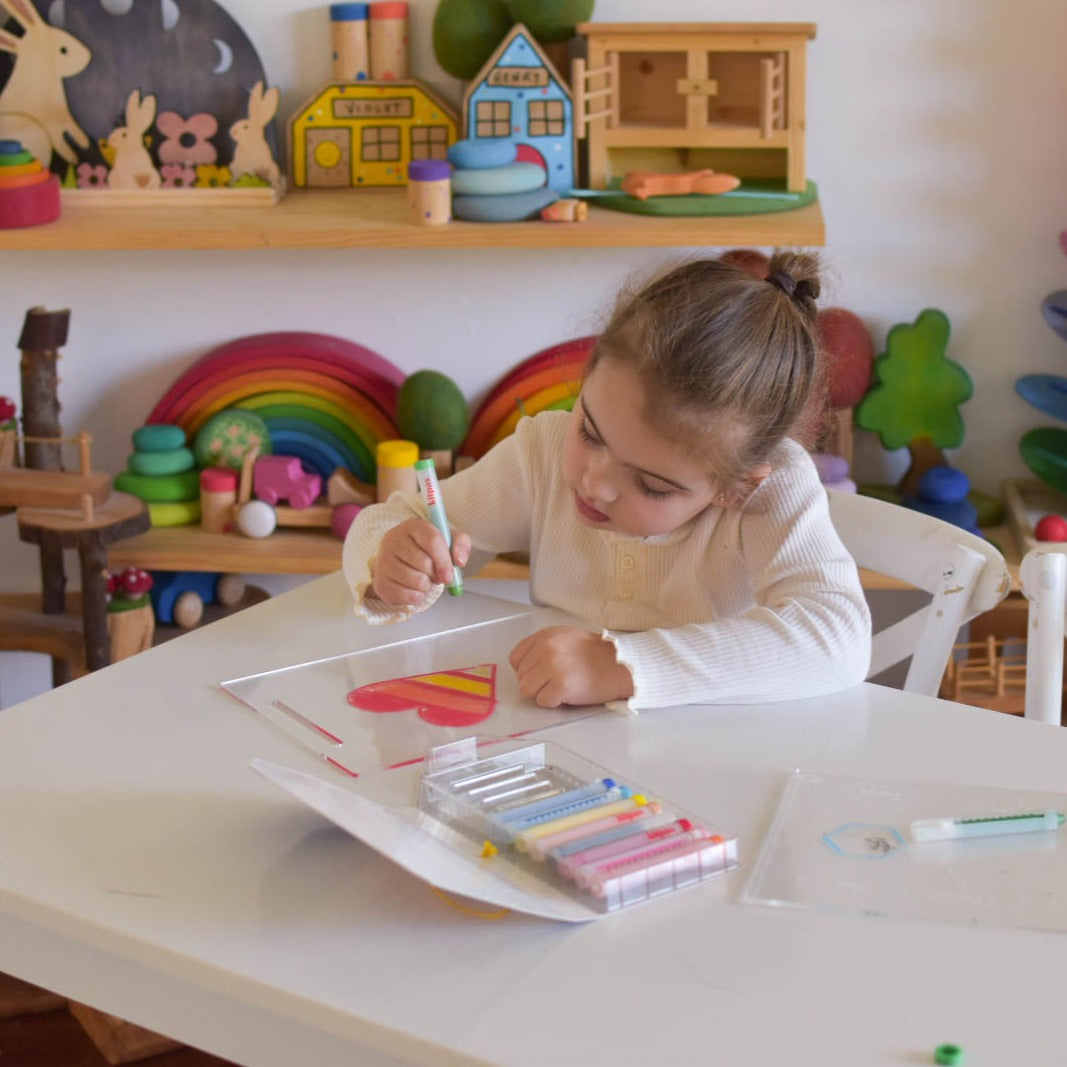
{"x": 377, "y": 218}
{"x": 302, "y": 551}
{"x": 190, "y": 548}
{"x": 286, "y": 551}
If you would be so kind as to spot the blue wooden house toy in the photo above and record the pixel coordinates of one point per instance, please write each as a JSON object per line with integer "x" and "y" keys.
{"x": 518, "y": 96}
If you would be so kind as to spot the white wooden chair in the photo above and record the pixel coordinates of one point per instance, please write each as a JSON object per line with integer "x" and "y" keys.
{"x": 964, "y": 574}
{"x": 1043, "y": 577}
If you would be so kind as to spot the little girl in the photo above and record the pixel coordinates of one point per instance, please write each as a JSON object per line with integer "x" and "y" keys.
{"x": 669, "y": 511}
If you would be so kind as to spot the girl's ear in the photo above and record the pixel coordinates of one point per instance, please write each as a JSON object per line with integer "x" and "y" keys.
{"x": 756, "y": 478}
{"x": 738, "y": 495}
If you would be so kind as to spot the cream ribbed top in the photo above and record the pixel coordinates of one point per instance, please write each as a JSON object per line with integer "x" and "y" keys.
{"x": 737, "y": 606}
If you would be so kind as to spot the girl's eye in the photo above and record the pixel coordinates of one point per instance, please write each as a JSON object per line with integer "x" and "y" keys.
{"x": 655, "y": 494}
{"x": 584, "y": 433}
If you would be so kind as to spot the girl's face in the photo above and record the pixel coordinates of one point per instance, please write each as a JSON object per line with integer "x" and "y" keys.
{"x": 624, "y": 474}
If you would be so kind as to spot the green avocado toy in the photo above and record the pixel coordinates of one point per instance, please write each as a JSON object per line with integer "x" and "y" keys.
{"x": 431, "y": 411}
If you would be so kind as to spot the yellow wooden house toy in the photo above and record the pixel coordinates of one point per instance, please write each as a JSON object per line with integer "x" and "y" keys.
{"x": 366, "y": 133}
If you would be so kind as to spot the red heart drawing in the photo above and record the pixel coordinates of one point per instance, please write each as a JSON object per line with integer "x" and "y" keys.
{"x": 461, "y": 697}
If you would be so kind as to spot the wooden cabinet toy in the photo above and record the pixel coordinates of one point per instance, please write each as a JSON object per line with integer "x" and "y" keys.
{"x": 685, "y": 96}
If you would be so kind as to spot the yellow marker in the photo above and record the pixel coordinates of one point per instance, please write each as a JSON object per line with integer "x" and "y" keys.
{"x": 522, "y": 842}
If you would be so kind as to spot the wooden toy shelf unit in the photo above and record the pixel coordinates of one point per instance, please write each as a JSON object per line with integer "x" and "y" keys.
{"x": 682, "y": 96}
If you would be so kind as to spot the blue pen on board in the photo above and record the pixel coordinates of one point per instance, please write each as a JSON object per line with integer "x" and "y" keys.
{"x": 986, "y": 826}
{"x": 430, "y": 491}
{"x": 571, "y": 796}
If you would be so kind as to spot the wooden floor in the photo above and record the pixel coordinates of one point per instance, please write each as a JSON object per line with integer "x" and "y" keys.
{"x": 32, "y": 1037}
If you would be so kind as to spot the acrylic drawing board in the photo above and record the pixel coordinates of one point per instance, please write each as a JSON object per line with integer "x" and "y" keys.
{"x": 841, "y": 845}
{"x": 412, "y": 695}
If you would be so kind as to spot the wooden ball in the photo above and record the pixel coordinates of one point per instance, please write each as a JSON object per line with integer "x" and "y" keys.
{"x": 1051, "y": 528}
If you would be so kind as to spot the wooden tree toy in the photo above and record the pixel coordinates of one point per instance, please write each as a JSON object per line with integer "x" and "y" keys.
{"x": 915, "y": 400}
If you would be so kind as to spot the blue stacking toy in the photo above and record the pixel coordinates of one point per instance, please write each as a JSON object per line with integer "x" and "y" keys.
{"x": 943, "y": 493}
{"x": 475, "y": 154}
{"x": 513, "y": 207}
{"x": 944, "y": 485}
{"x": 499, "y": 181}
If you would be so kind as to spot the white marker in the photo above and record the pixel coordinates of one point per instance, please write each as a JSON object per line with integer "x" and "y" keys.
{"x": 952, "y": 829}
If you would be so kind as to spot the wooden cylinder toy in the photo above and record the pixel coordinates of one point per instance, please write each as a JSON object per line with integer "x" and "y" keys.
{"x": 218, "y": 495}
{"x": 348, "y": 41}
{"x": 389, "y": 41}
{"x": 429, "y": 192}
{"x": 396, "y": 467}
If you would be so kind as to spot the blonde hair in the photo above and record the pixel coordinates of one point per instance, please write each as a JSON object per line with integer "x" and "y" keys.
{"x": 728, "y": 361}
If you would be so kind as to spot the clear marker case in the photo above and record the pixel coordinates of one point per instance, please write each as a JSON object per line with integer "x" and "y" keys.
{"x": 599, "y": 837}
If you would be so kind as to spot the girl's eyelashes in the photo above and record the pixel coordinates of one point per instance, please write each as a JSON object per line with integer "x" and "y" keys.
{"x": 591, "y": 439}
{"x": 655, "y": 494}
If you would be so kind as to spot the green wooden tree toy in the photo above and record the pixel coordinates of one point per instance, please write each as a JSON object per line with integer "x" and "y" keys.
{"x": 914, "y": 402}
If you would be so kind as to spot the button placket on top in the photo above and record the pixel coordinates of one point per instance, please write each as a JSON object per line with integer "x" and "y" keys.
{"x": 625, "y": 571}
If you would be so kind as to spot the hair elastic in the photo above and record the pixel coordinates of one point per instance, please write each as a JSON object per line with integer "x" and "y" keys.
{"x": 783, "y": 280}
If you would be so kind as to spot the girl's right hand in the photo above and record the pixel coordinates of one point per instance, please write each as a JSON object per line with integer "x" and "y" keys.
{"x": 412, "y": 558}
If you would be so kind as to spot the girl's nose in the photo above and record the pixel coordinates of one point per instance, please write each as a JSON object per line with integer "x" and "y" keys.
{"x": 598, "y": 483}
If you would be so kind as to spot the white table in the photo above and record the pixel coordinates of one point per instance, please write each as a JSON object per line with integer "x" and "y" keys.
{"x": 144, "y": 869}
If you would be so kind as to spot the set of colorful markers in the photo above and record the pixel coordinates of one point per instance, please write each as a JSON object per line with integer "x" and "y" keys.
{"x": 601, "y": 837}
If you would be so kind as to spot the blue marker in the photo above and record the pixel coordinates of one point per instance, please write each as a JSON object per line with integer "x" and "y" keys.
{"x": 430, "y": 490}
{"x": 606, "y": 786}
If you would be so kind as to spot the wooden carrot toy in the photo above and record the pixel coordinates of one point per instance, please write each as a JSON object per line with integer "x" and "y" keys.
{"x": 644, "y": 183}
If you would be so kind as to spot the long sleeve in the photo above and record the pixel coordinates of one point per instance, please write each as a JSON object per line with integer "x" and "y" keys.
{"x": 759, "y": 603}
{"x": 806, "y": 630}
{"x": 492, "y": 501}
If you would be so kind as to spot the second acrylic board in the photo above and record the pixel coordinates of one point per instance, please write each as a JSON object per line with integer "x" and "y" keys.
{"x": 386, "y": 707}
{"x": 843, "y": 845}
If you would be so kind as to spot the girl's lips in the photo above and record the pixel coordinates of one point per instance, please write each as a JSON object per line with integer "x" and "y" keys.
{"x": 588, "y": 512}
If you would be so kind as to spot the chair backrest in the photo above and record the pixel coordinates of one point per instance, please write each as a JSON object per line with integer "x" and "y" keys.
{"x": 1043, "y": 578}
{"x": 964, "y": 574}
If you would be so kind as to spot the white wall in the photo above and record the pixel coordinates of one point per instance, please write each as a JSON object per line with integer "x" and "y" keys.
{"x": 935, "y": 135}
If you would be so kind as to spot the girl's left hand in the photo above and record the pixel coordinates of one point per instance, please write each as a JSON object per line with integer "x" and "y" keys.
{"x": 569, "y": 665}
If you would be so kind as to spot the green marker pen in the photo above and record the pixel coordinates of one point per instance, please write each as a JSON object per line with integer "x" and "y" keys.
{"x": 430, "y": 491}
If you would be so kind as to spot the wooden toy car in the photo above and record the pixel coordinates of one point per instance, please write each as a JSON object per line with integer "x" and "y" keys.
{"x": 277, "y": 478}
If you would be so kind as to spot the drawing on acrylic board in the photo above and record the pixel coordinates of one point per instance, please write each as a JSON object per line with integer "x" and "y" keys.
{"x": 388, "y": 706}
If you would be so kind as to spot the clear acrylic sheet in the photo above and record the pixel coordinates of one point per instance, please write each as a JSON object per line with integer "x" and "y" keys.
{"x": 427, "y": 690}
{"x": 841, "y": 845}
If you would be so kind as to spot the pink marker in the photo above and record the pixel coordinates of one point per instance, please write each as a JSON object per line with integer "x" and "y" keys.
{"x": 569, "y": 866}
{"x": 594, "y": 875}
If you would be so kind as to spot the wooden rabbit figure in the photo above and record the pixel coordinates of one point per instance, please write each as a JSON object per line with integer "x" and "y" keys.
{"x": 33, "y": 104}
{"x": 132, "y": 166}
{"x": 252, "y": 154}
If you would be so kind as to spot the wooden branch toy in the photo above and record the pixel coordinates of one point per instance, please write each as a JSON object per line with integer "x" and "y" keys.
{"x": 643, "y": 183}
